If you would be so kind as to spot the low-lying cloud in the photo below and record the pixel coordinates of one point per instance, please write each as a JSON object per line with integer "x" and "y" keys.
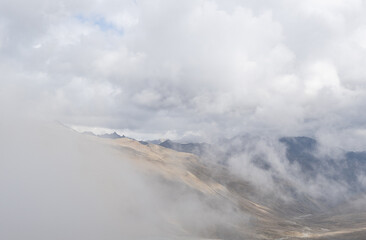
{"x": 201, "y": 70}
{"x": 58, "y": 184}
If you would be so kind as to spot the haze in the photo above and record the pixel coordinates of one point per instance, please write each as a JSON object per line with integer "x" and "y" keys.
{"x": 262, "y": 103}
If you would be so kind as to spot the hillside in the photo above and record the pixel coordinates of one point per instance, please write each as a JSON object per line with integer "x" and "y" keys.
{"x": 253, "y": 213}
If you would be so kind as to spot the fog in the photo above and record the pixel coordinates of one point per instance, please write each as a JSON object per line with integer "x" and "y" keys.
{"x": 318, "y": 170}
{"x": 58, "y": 184}
{"x": 194, "y": 71}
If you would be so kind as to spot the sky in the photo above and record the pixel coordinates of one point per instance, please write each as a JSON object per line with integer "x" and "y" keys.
{"x": 188, "y": 69}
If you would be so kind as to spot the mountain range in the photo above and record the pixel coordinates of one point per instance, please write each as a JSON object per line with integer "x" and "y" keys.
{"x": 246, "y": 208}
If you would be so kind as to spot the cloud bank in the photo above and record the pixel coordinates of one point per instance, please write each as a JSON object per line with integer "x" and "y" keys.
{"x": 191, "y": 68}
{"x": 58, "y": 184}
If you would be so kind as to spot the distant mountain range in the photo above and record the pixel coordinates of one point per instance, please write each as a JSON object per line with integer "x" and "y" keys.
{"x": 286, "y": 212}
{"x": 347, "y": 169}
{"x": 235, "y": 172}
{"x": 196, "y": 148}
{"x": 113, "y": 135}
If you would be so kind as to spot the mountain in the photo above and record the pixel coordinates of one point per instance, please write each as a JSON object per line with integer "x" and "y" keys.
{"x": 237, "y": 208}
{"x": 113, "y": 135}
{"x": 156, "y": 141}
{"x": 196, "y": 148}
{"x": 348, "y": 169}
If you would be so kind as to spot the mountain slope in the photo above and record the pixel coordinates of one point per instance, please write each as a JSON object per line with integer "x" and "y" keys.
{"x": 253, "y": 214}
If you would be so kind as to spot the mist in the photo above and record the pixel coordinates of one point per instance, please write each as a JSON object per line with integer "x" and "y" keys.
{"x": 275, "y": 89}
{"x": 58, "y": 184}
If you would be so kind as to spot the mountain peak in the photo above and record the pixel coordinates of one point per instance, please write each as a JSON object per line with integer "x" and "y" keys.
{"x": 113, "y": 135}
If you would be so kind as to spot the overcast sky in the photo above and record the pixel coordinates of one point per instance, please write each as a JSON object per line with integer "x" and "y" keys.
{"x": 191, "y": 68}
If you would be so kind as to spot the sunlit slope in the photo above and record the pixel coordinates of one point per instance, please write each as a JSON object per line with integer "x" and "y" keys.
{"x": 257, "y": 216}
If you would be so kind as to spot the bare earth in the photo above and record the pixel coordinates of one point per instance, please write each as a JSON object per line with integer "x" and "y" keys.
{"x": 254, "y": 218}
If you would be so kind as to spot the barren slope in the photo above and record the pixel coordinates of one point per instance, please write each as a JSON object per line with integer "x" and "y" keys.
{"x": 255, "y": 217}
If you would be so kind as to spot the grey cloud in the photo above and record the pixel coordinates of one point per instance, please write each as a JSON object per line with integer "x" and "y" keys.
{"x": 211, "y": 66}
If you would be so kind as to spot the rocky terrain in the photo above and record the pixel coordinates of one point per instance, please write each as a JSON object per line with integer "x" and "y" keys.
{"x": 59, "y": 184}
{"x": 249, "y": 213}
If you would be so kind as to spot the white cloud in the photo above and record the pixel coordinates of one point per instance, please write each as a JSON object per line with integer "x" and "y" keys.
{"x": 209, "y": 66}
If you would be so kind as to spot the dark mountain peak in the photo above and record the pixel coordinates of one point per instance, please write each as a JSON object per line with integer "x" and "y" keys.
{"x": 143, "y": 142}
{"x": 168, "y": 143}
{"x": 301, "y": 150}
{"x": 361, "y": 156}
{"x": 113, "y": 135}
{"x": 196, "y": 148}
{"x": 300, "y": 143}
